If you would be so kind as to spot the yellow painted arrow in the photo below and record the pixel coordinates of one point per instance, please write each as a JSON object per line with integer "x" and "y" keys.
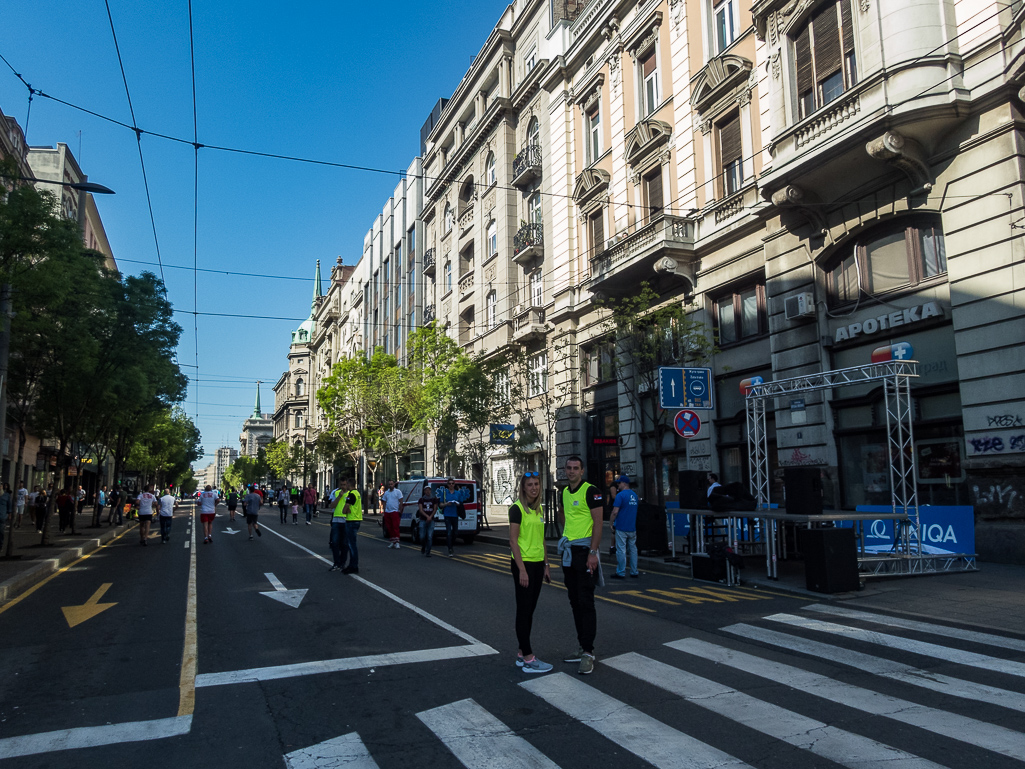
{"x": 76, "y": 615}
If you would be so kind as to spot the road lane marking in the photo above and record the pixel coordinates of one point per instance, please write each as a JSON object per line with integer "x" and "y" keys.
{"x": 416, "y": 609}
{"x": 897, "y": 671}
{"x": 645, "y": 737}
{"x": 187, "y": 681}
{"x": 987, "y": 639}
{"x": 962, "y": 728}
{"x": 94, "y": 736}
{"x": 972, "y": 659}
{"x": 845, "y": 748}
{"x": 299, "y": 669}
{"x": 76, "y": 615}
{"x": 280, "y": 593}
{"x": 481, "y": 741}
{"x": 18, "y": 599}
{"x": 346, "y": 751}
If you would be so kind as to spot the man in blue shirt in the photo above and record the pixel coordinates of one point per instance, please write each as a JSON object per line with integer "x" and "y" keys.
{"x": 449, "y": 498}
{"x": 624, "y": 521}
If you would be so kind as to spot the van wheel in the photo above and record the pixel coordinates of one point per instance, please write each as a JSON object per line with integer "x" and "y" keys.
{"x": 468, "y": 538}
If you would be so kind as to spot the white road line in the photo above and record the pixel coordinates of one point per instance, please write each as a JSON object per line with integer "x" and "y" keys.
{"x": 645, "y": 737}
{"x": 897, "y": 671}
{"x": 972, "y": 659}
{"x": 347, "y": 750}
{"x": 957, "y": 727}
{"x": 187, "y": 543}
{"x": 987, "y": 639}
{"x": 345, "y": 663}
{"x": 850, "y": 750}
{"x": 481, "y": 741}
{"x": 429, "y": 617}
{"x": 94, "y": 736}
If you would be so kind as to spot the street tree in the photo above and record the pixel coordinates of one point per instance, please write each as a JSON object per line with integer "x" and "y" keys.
{"x": 479, "y": 400}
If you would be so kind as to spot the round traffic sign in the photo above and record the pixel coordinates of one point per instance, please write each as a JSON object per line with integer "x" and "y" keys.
{"x": 696, "y": 388}
{"x": 687, "y": 424}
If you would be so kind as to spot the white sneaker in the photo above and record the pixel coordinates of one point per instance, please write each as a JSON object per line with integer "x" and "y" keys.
{"x": 535, "y": 666}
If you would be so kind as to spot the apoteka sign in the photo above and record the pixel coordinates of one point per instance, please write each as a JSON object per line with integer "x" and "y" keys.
{"x": 889, "y": 321}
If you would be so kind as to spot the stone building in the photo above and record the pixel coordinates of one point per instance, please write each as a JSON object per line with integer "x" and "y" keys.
{"x": 257, "y": 430}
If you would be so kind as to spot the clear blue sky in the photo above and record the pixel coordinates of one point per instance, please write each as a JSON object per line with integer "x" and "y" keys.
{"x": 342, "y": 82}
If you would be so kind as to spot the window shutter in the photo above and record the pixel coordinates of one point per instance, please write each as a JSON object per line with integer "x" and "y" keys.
{"x": 827, "y": 43}
{"x": 654, "y": 184}
{"x": 802, "y": 59}
{"x": 597, "y": 234}
{"x": 729, "y": 141}
{"x": 848, "y": 26}
{"x": 649, "y": 64}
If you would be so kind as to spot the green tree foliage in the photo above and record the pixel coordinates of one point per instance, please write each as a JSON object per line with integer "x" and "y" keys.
{"x": 245, "y": 471}
{"x": 166, "y": 451}
{"x": 479, "y": 402}
{"x": 434, "y": 357}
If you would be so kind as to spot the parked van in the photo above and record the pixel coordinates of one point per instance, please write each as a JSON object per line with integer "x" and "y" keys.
{"x": 468, "y": 494}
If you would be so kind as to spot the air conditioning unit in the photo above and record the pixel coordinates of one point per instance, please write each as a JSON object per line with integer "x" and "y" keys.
{"x": 799, "y": 306}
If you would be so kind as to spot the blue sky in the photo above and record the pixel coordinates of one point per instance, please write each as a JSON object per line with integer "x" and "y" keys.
{"x": 343, "y": 82}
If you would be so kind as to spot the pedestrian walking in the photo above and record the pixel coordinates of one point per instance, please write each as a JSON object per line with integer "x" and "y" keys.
{"x": 251, "y": 505}
{"x": 529, "y": 566}
{"x": 114, "y": 500}
{"x": 232, "y": 502}
{"x": 30, "y": 508}
{"x": 144, "y": 503}
{"x": 65, "y": 511}
{"x": 391, "y": 512}
{"x": 345, "y": 523}
{"x": 207, "y": 512}
{"x": 295, "y": 510}
{"x": 426, "y": 509}
{"x": 167, "y": 505}
{"x": 310, "y": 503}
{"x": 40, "y": 508}
{"x": 450, "y": 502}
{"x": 282, "y": 498}
{"x": 580, "y": 515}
{"x": 20, "y": 500}
{"x": 101, "y": 502}
{"x": 6, "y": 501}
{"x": 80, "y": 497}
{"x": 624, "y": 523}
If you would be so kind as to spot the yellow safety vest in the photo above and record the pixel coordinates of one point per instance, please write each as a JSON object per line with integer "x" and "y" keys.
{"x": 532, "y": 534}
{"x": 340, "y": 506}
{"x": 579, "y": 523}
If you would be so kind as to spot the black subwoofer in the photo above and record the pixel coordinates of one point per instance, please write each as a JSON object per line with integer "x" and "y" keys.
{"x": 830, "y": 559}
{"x": 803, "y": 486}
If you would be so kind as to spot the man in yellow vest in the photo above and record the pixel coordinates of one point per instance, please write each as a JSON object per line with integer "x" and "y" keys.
{"x": 345, "y": 521}
{"x": 580, "y": 515}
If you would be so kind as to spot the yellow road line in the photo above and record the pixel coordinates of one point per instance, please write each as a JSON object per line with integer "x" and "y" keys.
{"x": 187, "y": 682}
{"x": 57, "y": 573}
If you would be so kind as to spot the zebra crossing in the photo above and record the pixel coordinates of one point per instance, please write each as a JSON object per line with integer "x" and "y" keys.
{"x": 829, "y": 686}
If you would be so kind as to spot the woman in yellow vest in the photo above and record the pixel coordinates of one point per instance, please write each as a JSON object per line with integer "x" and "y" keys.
{"x": 529, "y": 566}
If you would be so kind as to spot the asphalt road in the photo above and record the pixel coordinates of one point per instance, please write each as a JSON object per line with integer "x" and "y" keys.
{"x": 412, "y": 664}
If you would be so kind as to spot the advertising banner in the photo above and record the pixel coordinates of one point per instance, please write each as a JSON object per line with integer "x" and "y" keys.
{"x": 503, "y": 435}
{"x": 945, "y": 529}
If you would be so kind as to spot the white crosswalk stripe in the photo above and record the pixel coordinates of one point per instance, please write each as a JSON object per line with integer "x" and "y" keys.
{"x": 655, "y": 742}
{"x": 970, "y": 730}
{"x": 347, "y": 750}
{"x": 845, "y": 748}
{"x": 897, "y": 671}
{"x": 973, "y": 659}
{"x": 481, "y": 741}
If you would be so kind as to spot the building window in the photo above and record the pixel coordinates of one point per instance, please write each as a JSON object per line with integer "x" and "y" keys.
{"x": 411, "y": 247}
{"x": 725, "y": 15}
{"x": 731, "y": 156}
{"x": 537, "y": 289}
{"x": 653, "y": 193}
{"x": 649, "y": 83}
{"x": 298, "y": 420}
{"x": 492, "y": 238}
{"x": 530, "y": 61}
{"x": 600, "y": 364}
{"x": 537, "y": 379}
{"x": 299, "y": 388}
{"x": 534, "y": 133}
{"x": 824, "y": 60}
{"x": 450, "y": 218}
{"x": 889, "y": 257}
{"x": 741, "y": 315}
{"x": 596, "y": 230}
{"x": 503, "y": 389}
{"x": 448, "y": 276}
{"x": 593, "y": 118}
{"x": 492, "y": 310}
{"x": 490, "y": 174}
{"x": 534, "y": 208}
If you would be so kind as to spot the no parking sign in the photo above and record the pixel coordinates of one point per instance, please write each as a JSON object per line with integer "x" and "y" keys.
{"x": 687, "y": 424}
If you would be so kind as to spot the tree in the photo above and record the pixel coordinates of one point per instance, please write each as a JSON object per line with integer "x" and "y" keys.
{"x": 348, "y": 400}
{"x": 433, "y": 356}
{"x": 246, "y": 471}
{"x": 167, "y": 450}
{"x": 281, "y": 459}
{"x": 479, "y": 402}
{"x": 646, "y": 333}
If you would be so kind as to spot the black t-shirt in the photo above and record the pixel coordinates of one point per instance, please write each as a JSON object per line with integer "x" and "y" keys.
{"x": 429, "y": 505}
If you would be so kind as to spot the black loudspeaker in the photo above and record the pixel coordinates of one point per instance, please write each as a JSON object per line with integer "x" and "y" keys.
{"x": 803, "y": 488}
{"x": 651, "y": 529}
{"x": 693, "y": 490}
{"x": 704, "y": 566}
{"x": 830, "y": 559}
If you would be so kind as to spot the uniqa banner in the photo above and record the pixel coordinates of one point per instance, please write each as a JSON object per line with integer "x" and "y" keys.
{"x": 503, "y": 435}
{"x": 945, "y": 529}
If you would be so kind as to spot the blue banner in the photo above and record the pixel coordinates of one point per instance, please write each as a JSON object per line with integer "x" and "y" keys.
{"x": 945, "y": 529}
{"x": 503, "y": 435}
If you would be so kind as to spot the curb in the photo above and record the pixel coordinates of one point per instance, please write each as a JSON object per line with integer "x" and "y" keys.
{"x": 43, "y": 568}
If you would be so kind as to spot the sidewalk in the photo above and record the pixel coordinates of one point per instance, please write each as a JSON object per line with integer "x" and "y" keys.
{"x": 32, "y": 563}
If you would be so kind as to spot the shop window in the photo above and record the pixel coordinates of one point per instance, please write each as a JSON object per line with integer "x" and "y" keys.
{"x": 825, "y": 63}
{"x": 741, "y": 315}
{"x": 890, "y": 257}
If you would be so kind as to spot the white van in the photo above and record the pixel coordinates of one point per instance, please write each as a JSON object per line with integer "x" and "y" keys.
{"x": 469, "y": 495}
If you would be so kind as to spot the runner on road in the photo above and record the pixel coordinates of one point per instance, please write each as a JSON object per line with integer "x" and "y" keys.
{"x": 167, "y": 505}
{"x": 207, "y": 512}
{"x": 144, "y": 503}
{"x": 251, "y": 506}
{"x": 232, "y": 503}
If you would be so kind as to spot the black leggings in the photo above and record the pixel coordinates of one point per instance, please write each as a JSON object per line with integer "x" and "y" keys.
{"x": 580, "y": 589}
{"x": 526, "y": 601}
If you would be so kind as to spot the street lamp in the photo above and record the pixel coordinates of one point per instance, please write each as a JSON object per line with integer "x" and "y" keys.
{"x": 6, "y": 313}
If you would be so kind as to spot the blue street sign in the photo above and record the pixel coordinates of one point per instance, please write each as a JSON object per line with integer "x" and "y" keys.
{"x": 687, "y": 424}
{"x": 685, "y": 388}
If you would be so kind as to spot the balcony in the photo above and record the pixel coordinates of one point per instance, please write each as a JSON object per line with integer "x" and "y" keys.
{"x": 660, "y": 252}
{"x": 528, "y": 243}
{"x": 465, "y": 286}
{"x": 528, "y": 323}
{"x": 465, "y": 222}
{"x": 428, "y": 314}
{"x": 429, "y": 260}
{"x": 527, "y": 166}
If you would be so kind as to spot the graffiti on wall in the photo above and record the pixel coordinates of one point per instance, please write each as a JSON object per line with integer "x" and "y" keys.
{"x": 502, "y": 482}
{"x": 998, "y": 498}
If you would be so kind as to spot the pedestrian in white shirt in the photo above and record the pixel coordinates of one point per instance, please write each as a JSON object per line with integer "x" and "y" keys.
{"x": 167, "y": 505}
{"x": 145, "y": 502}
{"x": 207, "y": 511}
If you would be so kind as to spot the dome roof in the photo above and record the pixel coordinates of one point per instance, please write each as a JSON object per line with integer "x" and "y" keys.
{"x": 304, "y": 334}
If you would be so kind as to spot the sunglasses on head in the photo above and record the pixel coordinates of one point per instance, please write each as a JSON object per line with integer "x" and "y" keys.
{"x": 531, "y": 475}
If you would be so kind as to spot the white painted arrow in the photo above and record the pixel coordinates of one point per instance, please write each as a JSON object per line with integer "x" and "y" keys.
{"x": 230, "y": 531}
{"x": 347, "y": 750}
{"x": 289, "y": 597}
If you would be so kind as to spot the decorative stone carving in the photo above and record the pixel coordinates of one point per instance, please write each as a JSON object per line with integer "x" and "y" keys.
{"x": 793, "y": 197}
{"x": 635, "y": 178}
{"x": 904, "y": 154}
{"x": 590, "y": 183}
{"x": 716, "y": 78}
{"x": 615, "y": 73}
{"x": 676, "y": 8}
{"x": 744, "y": 97}
{"x": 706, "y": 127}
{"x": 864, "y": 5}
{"x": 775, "y": 65}
{"x": 644, "y": 139}
{"x": 489, "y": 274}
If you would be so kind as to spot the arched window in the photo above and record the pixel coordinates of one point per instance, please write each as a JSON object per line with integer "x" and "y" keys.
{"x": 492, "y": 310}
{"x": 490, "y": 174}
{"x": 299, "y": 387}
{"x": 492, "y": 238}
{"x": 892, "y": 256}
{"x": 450, "y": 219}
{"x": 534, "y": 133}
